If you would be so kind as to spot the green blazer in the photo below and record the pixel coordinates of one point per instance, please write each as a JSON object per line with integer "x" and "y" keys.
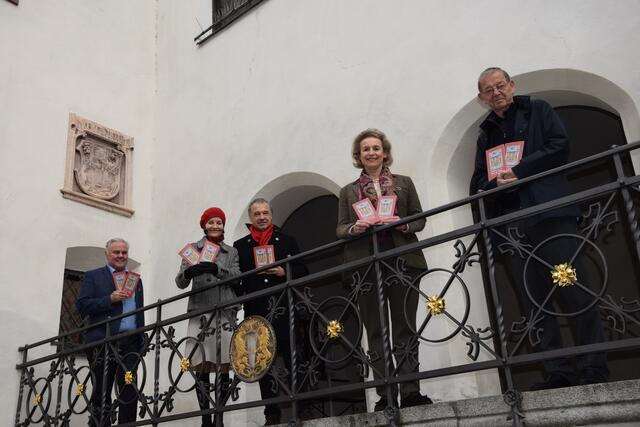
{"x": 407, "y": 204}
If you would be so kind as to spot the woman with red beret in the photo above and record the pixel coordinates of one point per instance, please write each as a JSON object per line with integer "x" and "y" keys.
{"x": 205, "y": 274}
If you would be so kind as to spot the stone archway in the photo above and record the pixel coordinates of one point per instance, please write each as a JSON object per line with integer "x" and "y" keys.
{"x": 288, "y": 192}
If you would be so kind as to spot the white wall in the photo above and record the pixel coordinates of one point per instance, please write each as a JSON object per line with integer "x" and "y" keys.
{"x": 293, "y": 82}
{"x": 95, "y": 59}
{"x": 282, "y": 91}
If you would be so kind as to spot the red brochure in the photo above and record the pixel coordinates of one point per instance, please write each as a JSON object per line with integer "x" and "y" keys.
{"x": 503, "y": 157}
{"x": 513, "y": 153}
{"x": 131, "y": 283}
{"x": 387, "y": 206}
{"x": 264, "y": 255}
{"x": 209, "y": 252}
{"x": 365, "y": 211}
{"x": 119, "y": 277}
{"x": 190, "y": 254}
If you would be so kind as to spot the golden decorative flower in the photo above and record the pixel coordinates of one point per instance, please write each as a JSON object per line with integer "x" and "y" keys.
{"x": 334, "y": 329}
{"x": 128, "y": 377}
{"x": 435, "y": 305}
{"x": 79, "y": 389}
{"x": 37, "y": 398}
{"x": 562, "y": 274}
{"x": 185, "y": 364}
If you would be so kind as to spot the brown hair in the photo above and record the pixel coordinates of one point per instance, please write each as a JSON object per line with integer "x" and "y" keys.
{"x": 373, "y": 133}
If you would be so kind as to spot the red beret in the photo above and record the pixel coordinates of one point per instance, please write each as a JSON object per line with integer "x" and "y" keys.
{"x": 212, "y": 213}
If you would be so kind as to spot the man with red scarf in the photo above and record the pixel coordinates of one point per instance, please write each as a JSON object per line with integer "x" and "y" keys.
{"x": 263, "y": 232}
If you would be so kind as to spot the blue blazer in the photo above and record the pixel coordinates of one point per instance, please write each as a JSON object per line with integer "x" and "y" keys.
{"x": 94, "y": 301}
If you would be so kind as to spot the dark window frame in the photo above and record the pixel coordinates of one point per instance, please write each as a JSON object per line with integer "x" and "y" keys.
{"x": 224, "y": 13}
{"x": 70, "y": 319}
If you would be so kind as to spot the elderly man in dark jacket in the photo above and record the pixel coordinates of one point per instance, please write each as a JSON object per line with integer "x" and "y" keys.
{"x": 262, "y": 232}
{"x": 546, "y": 146}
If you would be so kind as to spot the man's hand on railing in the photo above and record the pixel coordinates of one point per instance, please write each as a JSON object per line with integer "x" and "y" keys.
{"x": 277, "y": 271}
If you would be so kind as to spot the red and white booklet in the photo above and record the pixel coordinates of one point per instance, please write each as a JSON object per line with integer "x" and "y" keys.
{"x": 119, "y": 277}
{"x": 131, "y": 283}
{"x": 190, "y": 254}
{"x": 365, "y": 211}
{"x": 264, "y": 255}
{"x": 209, "y": 252}
{"x": 387, "y": 206}
{"x": 126, "y": 281}
{"x": 503, "y": 157}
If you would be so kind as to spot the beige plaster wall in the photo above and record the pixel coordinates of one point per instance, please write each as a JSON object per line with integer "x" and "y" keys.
{"x": 95, "y": 59}
{"x": 292, "y": 83}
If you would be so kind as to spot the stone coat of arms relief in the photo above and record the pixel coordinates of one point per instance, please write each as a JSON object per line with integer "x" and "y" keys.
{"x": 99, "y": 172}
{"x": 99, "y": 164}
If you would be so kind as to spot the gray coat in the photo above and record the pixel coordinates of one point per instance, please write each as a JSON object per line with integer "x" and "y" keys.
{"x": 228, "y": 266}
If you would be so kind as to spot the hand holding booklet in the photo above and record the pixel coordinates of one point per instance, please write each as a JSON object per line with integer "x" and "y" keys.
{"x": 503, "y": 157}
{"x": 126, "y": 281}
{"x": 366, "y": 212}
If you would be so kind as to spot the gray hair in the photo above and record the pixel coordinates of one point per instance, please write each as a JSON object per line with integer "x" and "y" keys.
{"x": 256, "y": 201}
{"x": 486, "y": 73}
{"x": 116, "y": 240}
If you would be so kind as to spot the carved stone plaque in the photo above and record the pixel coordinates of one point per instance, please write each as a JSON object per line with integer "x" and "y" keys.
{"x": 99, "y": 164}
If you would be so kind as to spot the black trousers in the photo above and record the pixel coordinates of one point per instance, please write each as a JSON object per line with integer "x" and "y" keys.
{"x": 402, "y": 324}
{"x": 128, "y": 397}
{"x": 283, "y": 350}
{"x": 534, "y": 285}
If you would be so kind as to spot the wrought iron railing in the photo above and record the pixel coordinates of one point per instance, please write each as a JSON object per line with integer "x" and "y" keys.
{"x": 55, "y": 385}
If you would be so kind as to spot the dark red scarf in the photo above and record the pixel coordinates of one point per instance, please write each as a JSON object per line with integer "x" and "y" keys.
{"x": 216, "y": 240}
{"x": 261, "y": 236}
{"x": 367, "y": 188}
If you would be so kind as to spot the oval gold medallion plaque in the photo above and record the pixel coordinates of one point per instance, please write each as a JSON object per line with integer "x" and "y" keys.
{"x": 253, "y": 348}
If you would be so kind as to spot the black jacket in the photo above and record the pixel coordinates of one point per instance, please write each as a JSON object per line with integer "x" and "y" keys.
{"x": 546, "y": 146}
{"x": 284, "y": 247}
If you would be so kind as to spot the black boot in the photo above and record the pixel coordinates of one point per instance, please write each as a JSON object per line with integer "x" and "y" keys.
{"x": 203, "y": 397}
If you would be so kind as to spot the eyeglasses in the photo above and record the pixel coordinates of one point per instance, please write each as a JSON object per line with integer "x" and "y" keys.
{"x": 500, "y": 87}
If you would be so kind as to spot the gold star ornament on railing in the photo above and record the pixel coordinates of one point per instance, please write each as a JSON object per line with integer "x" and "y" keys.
{"x": 185, "y": 364}
{"x": 435, "y": 305}
{"x": 334, "y": 329}
{"x": 563, "y": 274}
{"x": 128, "y": 377}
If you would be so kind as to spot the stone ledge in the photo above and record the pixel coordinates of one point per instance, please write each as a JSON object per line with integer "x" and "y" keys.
{"x": 597, "y": 404}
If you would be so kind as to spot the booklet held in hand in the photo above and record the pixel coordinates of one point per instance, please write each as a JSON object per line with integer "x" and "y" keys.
{"x": 503, "y": 157}
{"x": 365, "y": 211}
{"x": 209, "y": 252}
{"x": 264, "y": 255}
{"x": 190, "y": 254}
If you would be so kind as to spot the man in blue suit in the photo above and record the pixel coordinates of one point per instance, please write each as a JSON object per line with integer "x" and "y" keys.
{"x": 100, "y": 300}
